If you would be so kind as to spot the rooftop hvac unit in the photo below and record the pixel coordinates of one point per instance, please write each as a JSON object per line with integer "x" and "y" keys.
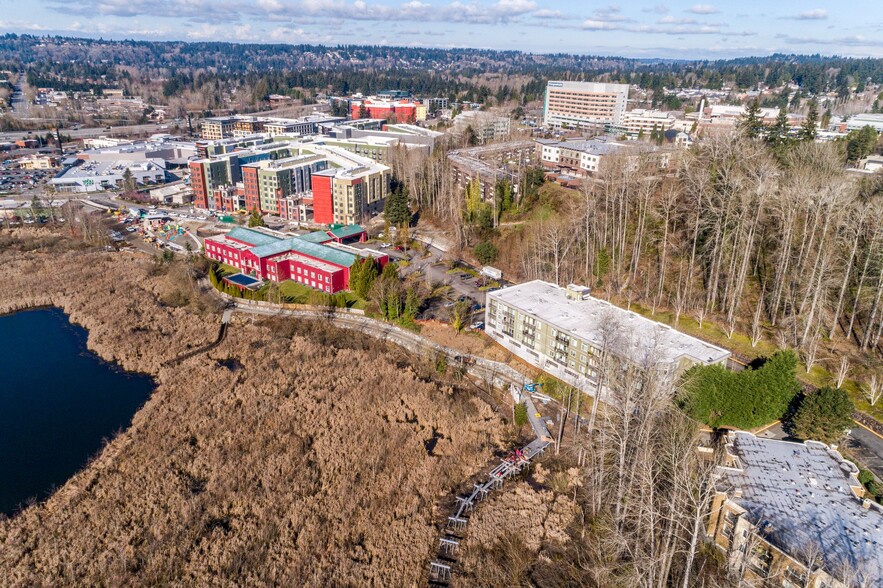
{"x": 575, "y": 292}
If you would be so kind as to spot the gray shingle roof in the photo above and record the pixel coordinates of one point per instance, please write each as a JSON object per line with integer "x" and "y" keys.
{"x": 801, "y": 494}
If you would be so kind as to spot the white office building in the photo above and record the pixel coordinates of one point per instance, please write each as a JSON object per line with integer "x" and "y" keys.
{"x": 584, "y": 104}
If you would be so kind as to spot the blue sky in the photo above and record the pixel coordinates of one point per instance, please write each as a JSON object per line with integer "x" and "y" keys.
{"x": 635, "y": 29}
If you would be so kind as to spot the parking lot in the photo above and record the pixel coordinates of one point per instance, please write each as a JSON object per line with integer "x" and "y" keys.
{"x": 17, "y": 180}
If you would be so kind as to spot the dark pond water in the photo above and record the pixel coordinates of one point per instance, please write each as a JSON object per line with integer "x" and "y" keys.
{"x": 58, "y": 401}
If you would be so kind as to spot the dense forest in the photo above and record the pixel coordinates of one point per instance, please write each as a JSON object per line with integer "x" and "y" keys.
{"x": 217, "y": 70}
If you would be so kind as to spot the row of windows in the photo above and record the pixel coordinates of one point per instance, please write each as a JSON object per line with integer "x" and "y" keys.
{"x": 308, "y": 282}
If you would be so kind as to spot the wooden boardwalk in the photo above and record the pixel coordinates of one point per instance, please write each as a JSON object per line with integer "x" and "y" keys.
{"x": 441, "y": 567}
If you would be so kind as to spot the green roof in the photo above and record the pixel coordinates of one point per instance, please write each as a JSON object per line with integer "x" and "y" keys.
{"x": 253, "y": 238}
{"x": 315, "y": 237}
{"x": 347, "y": 231}
{"x": 315, "y": 250}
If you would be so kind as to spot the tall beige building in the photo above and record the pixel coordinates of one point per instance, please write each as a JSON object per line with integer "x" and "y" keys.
{"x": 584, "y": 104}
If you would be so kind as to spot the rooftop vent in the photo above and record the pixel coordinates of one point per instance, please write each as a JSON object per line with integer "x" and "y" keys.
{"x": 575, "y": 292}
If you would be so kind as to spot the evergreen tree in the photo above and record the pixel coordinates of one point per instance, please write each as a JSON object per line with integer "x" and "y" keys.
{"x": 860, "y": 143}
{"x": 128, "y": 181}
{"x": 823, "y": 415}
{"x": 486, "y": 252}
{"x": 256, "y": 220}
{"x": 396, "y": 208}
{"x": 809, "y": 129}
{"x": 752, "y": 124}
{"x": 778, "y": 134}
{"x": 363, "y": 273}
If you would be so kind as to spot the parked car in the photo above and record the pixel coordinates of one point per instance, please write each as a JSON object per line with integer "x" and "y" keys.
{"x": 478, "y": 326}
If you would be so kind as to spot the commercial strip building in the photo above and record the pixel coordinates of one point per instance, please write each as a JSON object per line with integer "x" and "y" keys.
{"x": 96, "y": 176}
{"x": 857, "y": 122}
{"x": 584, "y": 104}
{"x": 565, "y": 331}
{"x": 320, "y": 260}
{"x": 37, "y": 162}
{"x": 794, "y": 515}
{"x": 586, "y": 157}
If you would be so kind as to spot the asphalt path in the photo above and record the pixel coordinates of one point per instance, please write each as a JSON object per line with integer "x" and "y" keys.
{"x": 867, "y": 447}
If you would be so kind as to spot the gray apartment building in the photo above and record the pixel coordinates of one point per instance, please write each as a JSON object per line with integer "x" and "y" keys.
{"x": 564, "y": 331}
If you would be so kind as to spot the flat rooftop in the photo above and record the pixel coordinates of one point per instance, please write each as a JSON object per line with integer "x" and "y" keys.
{"x": 92, "y": 168}
{"x": 632, "y": 336}
{"x": 804, "y": 494}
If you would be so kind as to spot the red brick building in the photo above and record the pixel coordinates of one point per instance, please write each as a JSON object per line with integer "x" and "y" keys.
{"x": 252, "y": 189}
{"x": 319, "y": 260}
{"x": 198, "y": 183}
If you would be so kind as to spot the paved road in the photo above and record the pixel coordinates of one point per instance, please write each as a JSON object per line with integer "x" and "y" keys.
{"x": 147, "y": 129}
{"x": 868, "y": 448}
{"x": 21, "y": 108}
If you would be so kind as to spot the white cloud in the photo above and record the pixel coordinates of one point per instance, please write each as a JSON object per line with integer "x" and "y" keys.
{"x": 515, "y": 6}
{"x": 672, "y": 20}
{"x": 599, "y": 25}
{"x": 549, "y": 14}
{"x": 703, "y": 9}
{"x": 271, "y": 5}
{"x": 815, "y": 14}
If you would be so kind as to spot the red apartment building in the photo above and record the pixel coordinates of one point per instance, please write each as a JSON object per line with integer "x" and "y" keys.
{"x": 319, "y": 260}
{"x": 252, "y": 189}
{"x": 198, "y": 183}
{"x": 403, "y": 111}
{"x": 323, "y": 199}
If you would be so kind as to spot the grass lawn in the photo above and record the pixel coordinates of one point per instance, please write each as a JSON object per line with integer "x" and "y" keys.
{"x": 300, "y": 294}
{"x": 227, "y": 270}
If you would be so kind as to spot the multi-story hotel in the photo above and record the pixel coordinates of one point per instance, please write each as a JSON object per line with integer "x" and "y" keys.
{"x": 565, "y": 331}
{"x": 298, "y": 180}
{"x": 347, "y": 196}
{"x": 218, "y": 127}
{"x": 584, "y": 104}
{"x": 795, "y": 515}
